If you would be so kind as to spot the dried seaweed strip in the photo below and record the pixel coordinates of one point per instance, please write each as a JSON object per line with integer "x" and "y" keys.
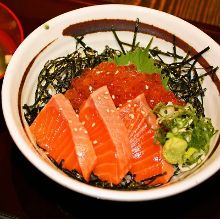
{"x": 127, "y": 183}
{"x": 183, "y": 79}
{"x": 182, "y": 76}
{"x": 57, "y": 74}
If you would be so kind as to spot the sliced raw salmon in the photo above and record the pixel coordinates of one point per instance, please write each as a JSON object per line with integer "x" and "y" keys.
{"x": 57, "y": 129}
{"x": 147, "y": 160}
{"x": 108, "y": 134}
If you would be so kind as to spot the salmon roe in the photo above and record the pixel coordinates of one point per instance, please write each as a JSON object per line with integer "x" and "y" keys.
{"x": 124, "y": 83}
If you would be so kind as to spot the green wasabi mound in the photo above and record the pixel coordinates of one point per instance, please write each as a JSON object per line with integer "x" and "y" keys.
{"x": 174, "y": 150}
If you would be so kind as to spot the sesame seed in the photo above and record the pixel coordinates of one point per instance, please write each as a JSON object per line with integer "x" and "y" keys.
{"x": 107, "y": 110}
{"x": 86, "y": 132}
{"x": 75, "y": 129}
{"x": 142, "y": 112}
{"x": 80, "y": 129}
{"x": 132, "y": 124}
{"x": 151, "y": 101}
{"x": 113, "y": 97}
{"x": 60, "y": 108}
{"x": 117, "y": 71}
{"x": 131, "y": 116}
{"x": 135, "y": 105}
{"x": 120, "y": 104}
{"x": 146, "y": 87}
{"x": 156, "y": 159}
{"x": 106, "y": 92}
{"x": 108, "y": 73}
{"x": 105, "y": 97}
{"x": 95, "y": 142}
{"x": 129, "y": 105}
{"x": 83, "y": 122}
{"x": 93, "y": 124}
{"x": 129, "y": 101}
{"x": 98, "y": 72}
{"x": 90, "y": 88}
{"x": 80, "y": 154}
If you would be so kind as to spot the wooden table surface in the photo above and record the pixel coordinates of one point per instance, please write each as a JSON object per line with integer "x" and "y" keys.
{"x": 27, "y": 193}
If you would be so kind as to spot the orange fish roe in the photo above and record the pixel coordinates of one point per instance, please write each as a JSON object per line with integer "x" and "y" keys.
{"x": 124, "y": 83}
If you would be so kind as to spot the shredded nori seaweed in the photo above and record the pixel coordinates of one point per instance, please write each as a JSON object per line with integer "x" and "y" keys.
{"x": 57, "y": 74}
{"x": 127, "y": 183}
{"x": 182, "y": 76}
{"x": 184, "y": 81}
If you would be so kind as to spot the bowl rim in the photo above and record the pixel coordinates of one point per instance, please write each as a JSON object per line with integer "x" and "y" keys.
{"x": 161, "y": 192}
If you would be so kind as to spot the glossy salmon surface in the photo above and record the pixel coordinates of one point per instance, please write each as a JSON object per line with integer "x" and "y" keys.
{"x": 108, "y": 134}
{"x": 57, "y": 130}
{"x": 147, "y": 160}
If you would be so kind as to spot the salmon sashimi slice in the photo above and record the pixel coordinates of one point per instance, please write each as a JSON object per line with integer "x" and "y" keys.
{"x": 108, "y": 135}
{"x": 147, "y": 160}
{"x": 57, "y": 129}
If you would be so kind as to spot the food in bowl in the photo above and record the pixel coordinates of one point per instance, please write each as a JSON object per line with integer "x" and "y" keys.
{"x": 122, "y": 119}
{"x": 11, "y": 35}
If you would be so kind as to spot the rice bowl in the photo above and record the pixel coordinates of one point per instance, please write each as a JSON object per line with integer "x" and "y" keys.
{"x": 30, "y": 58}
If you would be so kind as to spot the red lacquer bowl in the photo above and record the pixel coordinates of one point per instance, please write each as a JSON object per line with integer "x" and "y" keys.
{"x": 11, "y": 35}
